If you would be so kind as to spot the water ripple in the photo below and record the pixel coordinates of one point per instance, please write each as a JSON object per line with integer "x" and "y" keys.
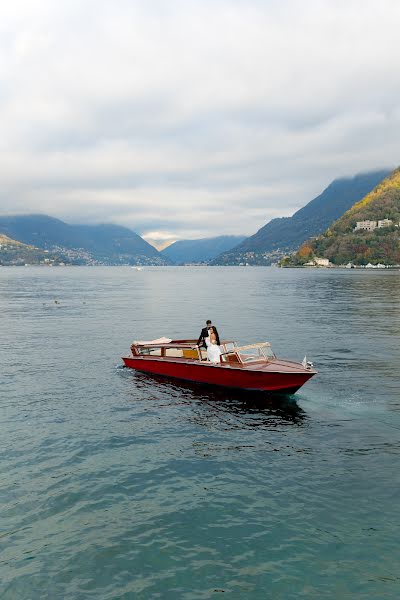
{"x": 116, "y": 485}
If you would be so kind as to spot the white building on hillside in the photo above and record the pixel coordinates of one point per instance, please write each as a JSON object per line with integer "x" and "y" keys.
{"x": 366, "y": 225}
{"x": 371, "y": 225}
{"x": 322, "y": 262}
{"x": 385, "y": 223}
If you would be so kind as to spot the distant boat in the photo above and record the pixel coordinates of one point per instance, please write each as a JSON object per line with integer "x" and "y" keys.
{"x": 253, "y": 367}
{"x": 137, "y": 268}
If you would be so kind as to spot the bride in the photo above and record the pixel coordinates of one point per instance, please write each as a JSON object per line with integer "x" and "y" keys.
{"x": 213, "y": 350}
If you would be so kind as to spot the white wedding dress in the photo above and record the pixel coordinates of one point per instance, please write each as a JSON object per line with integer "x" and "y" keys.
{"x": 213, "y": 351}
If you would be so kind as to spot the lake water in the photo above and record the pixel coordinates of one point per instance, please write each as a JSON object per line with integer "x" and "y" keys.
{"x": 115, "y": 485}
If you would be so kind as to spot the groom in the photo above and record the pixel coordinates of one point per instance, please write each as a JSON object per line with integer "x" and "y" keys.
{"x": 204, "y": 333}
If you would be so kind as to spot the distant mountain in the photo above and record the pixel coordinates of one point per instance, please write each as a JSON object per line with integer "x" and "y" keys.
{"x": 342, "y": 243}
{"x": 286, "y": 234}
{"x": 83, "y": 244}
{"x": 15, "y": 253}
{"x": 200, "y": 251}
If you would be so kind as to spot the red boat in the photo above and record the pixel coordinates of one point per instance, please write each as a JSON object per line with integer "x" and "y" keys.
{"x": 253, "y": 367}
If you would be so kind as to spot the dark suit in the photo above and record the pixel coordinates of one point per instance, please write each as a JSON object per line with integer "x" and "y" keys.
{"x": 204, "y": 333}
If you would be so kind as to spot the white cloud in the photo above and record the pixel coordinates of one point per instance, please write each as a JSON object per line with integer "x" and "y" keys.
{"x": 192, "y": 118}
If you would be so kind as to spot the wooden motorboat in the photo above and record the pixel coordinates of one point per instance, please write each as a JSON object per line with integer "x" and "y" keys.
{"x": 253, "y": 367}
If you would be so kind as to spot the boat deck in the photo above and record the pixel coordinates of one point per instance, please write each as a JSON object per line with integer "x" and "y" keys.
{"x": 250, "y": 367}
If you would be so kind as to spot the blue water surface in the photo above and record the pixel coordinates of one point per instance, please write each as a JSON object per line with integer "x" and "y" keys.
{"x": 116, "y": 485}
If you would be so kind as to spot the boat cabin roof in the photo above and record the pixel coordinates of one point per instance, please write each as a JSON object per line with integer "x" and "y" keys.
{"x": 188, "y": 349}
{"x": 193, "y": 344}
{"x": 172, "y": 343}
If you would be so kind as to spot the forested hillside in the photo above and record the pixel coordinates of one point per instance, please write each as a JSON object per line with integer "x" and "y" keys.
{"x": 341, "y": 243}
{"x": 283, "y": 235}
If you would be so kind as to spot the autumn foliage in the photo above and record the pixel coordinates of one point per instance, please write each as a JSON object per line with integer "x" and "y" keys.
{"x": 341, "y": 244}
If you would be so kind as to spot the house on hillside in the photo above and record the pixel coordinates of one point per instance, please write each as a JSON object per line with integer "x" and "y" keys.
{"x": 322, "y": 262}
{"x": 366, "y": 225}
{"x": 371, "y": 225}
{"x": 318, "y": 262}
{"x": 385, "y": 223}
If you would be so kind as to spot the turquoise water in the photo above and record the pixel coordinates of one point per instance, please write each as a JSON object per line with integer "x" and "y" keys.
{"x": 115, "y": 485}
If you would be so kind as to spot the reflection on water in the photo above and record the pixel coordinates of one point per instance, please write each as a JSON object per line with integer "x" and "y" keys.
{"x": 249, "y": 408}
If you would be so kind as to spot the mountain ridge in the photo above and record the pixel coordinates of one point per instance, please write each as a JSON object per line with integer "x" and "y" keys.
{"x": 85, "y": 244}
{"x": 202, "y": 250}
{"x": 16, "y": 253}
{"x": 286, "y": 234}
{"x": 342, "y": 242}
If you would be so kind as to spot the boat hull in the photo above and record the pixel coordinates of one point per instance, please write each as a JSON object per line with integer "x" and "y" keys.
{"x": 274, "y": 378}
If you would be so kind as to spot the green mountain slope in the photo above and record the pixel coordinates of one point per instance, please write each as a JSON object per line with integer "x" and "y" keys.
{"x": 342, "y": 244}
{"x": 15, "y": 253}
{"x": 283, "y": 235}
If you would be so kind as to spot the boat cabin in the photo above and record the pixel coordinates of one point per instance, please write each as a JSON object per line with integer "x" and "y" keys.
{"x": 188, "y": 350}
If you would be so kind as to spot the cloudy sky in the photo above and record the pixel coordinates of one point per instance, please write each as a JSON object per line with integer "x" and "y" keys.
{"x": 185, "y": 119}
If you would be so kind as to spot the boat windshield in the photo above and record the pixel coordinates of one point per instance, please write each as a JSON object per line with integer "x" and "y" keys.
{"x": 255, "y": 352}
{"x": 229, "y": 346}
{"x": 267, "y": 352}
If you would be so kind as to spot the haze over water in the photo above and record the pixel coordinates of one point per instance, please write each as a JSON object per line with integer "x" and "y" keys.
{"x": 116, "y": 485}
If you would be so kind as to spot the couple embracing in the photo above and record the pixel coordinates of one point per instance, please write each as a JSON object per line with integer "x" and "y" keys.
{"x": 209, "y": 338}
